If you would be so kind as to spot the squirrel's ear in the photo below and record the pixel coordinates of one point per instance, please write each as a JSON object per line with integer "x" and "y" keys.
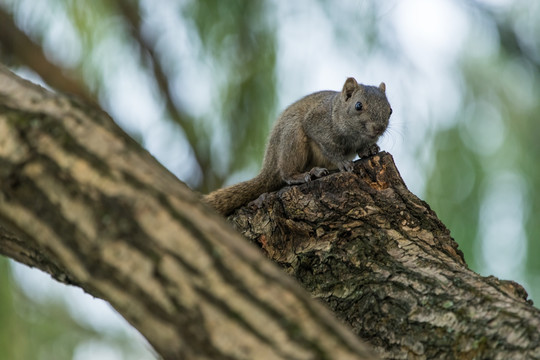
{"x": 349, "y": 87}
{"x": 382, "y": 87}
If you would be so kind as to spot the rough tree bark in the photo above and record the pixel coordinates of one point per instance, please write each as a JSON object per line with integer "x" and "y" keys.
{"x": 82, "y": 201}
{"x": 386, "y": 265}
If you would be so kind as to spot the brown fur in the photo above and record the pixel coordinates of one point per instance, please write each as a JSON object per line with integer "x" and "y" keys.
{"x": 321, "y": 131}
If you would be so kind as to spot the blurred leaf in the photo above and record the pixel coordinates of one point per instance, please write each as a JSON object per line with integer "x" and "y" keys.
{"x": 495, "y": 133}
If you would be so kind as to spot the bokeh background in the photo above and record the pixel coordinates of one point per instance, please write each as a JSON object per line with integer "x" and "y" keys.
{"x": 199, "y": 84}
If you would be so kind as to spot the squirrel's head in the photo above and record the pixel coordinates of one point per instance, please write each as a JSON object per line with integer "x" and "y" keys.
{"x": 363, "y": 110}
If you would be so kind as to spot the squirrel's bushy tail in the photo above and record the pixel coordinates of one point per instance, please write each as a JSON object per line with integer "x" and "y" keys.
{"x": 230, "y": 198}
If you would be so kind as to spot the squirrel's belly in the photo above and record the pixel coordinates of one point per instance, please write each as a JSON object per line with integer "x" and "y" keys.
{"x": 316, "y": 158}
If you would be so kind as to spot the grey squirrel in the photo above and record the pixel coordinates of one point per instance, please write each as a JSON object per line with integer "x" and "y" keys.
{"x": 320, "y": 132}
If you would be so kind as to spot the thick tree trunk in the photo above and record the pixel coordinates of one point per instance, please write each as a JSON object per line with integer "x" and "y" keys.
{"x": 85, "y": 203}
{"x": 386, "y": 265}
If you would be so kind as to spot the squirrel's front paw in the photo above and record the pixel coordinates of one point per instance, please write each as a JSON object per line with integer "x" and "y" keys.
{"x": 345, "y": 165}
{"x": 369, "y": 151}
{"x": 317, "y": 172}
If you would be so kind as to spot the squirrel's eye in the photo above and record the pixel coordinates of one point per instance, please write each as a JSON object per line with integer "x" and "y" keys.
{"x": 390, "y": 111}
{"x": 358, "y": 106}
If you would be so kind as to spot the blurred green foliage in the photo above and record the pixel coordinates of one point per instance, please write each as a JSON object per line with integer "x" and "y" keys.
{"x": 240, "y": 39}
{"x": 479, "y": 167}
{"x": 31, "y": 330}
{"x": 492, "y": 149}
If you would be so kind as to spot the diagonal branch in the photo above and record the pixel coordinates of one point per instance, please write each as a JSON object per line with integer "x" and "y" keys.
{"x": 130, "y": 12}
{"x": 15, "y": 42}
{"x": 102, "y": 214}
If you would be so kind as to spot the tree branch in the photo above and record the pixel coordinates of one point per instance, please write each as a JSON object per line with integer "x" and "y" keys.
{"x": 131, "y": 13}
{"x": 16, "y": 42}
{"x": 387, "y": 266}
{"x": 84, "y": 202}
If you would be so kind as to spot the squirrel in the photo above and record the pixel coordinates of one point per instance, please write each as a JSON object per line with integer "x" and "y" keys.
{"x": 322, "y": 131}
